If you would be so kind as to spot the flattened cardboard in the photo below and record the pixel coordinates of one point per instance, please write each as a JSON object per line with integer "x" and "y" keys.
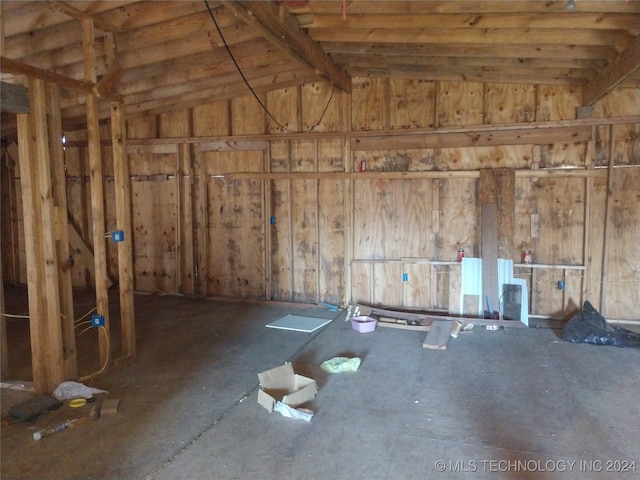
{"x": 284, "y": 385}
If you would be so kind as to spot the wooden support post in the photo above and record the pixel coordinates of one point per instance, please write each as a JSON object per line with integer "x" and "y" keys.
{"x": 266, "y": 216}
{"x": 33, "y": 255}
{"x": 59, "y": 190}
{"x": 607, "y": 222}
{"x": 40, "y": 243}
{"x": 348, "y": 203}
{"x": 3, "y": 328}
{"x": 585, "y": 292}
{"x": 200, "y": 210}
{"x": 122, "y": 184}
{"x": 47, "y": 240}
{"x": 97, "y": 190}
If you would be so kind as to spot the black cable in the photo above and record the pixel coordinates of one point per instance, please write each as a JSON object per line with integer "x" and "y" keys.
{"x": 251, "y": 88}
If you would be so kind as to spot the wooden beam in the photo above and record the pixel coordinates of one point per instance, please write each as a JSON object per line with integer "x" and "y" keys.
{"x": 621, "y": 68}
{"x": 59, "y": 192}
{"x": 518, "y": 129}
{"x": 282, "y": 29}
{"x": 17, "y": 67}
{"x": 122, "y": 183}
{"x": 96, "y": 181}
{"x": 79, "y": 15}
{"x": 530, "y": 136}
{"x": 13, "y": 98}
{"x": 4, "y": 343}
{"x": 104, "y": 88}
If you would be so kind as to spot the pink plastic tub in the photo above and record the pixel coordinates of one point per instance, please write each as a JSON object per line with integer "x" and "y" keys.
{"x": 363, "y": 324}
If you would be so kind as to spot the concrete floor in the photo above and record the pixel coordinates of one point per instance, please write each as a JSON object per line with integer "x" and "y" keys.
{"x": 511, "y": 404}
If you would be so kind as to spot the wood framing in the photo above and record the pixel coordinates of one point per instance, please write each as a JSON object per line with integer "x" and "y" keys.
{"x": 97, "y": 193}
{"x": 123, "y": 221}
{"x": 283, "y": 30}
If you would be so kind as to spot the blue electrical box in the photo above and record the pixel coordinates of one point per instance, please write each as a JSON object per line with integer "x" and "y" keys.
{"x": 405, "y": 277}
{"x": 117, "y": 236}
{"x": 97, "y": 320}
{"x": 272, "y": 220}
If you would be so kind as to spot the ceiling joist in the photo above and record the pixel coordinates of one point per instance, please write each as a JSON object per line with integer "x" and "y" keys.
{"x": 621, "y": 68}
{"x": 283, "y": 30}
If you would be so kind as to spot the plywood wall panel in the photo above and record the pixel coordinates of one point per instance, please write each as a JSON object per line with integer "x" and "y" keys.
{"x": 320, "y": 105}
{"x": 412, "y": 103}
{"x": 247, "y": 116}
{"x": 331, "y": 223}
{"x": 526, "y": 217}
{"x": 627, "y": 144}
{"x": 362, "y": 283}
{"x": 511, "y": 156}
{"x": 374, "y": 220}
{"x": 236, "y": 226}
{"x": 211, "y": 119}
{"x": 459, "y": 103}
{"x": 387, "y": 278}
{"x": 459, "y": 217}
{"x": 414, "y": 210}
{"x": 304, "y": 222}
{"x": 596, "y": 237}
{"x": 622, "y": 283}
{"x": 369, "y": 104}
{"x": 557, "y": 102}
{"x": 281, "y": 241}
{"x": 280, "y": 225}
{"x": 174, "y": 124}
{"x": 619, "y": 103}
{"x": 418, "y": 288}
{"x": 154, "y": 236}
{"x": 395, "y": 160}
{"x": 283, "y": 106}
{"x": 560, "y": 206}
{"x": 509, "y": 103}
{"x": 547, "y": 299}
{"x": 562, "y": 155}
{"x": 142, "y": 127}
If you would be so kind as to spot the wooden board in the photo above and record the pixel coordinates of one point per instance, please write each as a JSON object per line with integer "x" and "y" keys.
{"x": 557, "y": 102}
{"x": 438, "y": 336}
{"x": 369, "y": 104}
{"x": 412, "y": 103}
{"x": 509, "y": 103}
{"x": 459, "y": 103}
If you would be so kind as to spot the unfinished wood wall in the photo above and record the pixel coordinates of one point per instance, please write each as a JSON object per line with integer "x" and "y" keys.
{"x": 380, "y": 240}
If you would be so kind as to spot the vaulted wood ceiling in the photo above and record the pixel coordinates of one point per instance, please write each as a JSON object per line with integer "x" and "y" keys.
{"x": 161, "y": 56}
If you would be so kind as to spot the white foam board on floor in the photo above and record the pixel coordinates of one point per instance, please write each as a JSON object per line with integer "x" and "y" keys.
{"x": 299, "y": 323}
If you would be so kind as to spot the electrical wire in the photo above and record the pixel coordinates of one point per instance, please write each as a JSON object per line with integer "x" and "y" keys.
{"x": 106, "y": 360}
{"x": 264, "y": 107}
{"x": 85, "y": 315}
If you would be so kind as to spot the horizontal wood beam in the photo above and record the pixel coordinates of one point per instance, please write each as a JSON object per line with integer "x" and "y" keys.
{"x": 282, "y": 29}
{"x": 621, "y": 68}
{"x": 430, "y": 174}
{"x": 532, "y": 136}
{"x": 14, "y": 98}
{"x": 17, "y": 67}
{"x": 390, "y": 133}
{"x": 79, "y": 15}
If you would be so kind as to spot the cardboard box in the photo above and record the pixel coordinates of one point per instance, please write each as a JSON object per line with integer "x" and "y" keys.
{"x": 284, "y": 385}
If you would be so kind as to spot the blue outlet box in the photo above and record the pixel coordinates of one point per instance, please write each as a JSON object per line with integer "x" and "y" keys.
{"x": 405, "y": 277}
{"x": 272, "y": 220}
{"x": 97, "y": 321}
{"x": 117, "y": 236}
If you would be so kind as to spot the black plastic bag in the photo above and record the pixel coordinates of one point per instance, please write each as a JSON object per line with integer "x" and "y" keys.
{"x": 588, "y": 326}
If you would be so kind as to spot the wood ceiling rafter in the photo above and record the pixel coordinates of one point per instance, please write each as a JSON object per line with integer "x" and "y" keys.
{"x": 283, "y": 30}
{"x": 621, "y": 68}
{"x": 79, "y": 15}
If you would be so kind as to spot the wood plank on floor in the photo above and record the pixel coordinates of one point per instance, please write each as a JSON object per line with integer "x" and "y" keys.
{"x": 438, "y": 335}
